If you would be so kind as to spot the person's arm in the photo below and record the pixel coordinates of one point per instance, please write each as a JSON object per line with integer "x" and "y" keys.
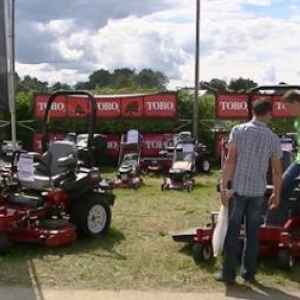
{"x": 277, "y": 181}
{"x": 227, "y": 172}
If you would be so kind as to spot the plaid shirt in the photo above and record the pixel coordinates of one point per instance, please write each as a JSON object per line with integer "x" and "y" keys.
{"x": 256, "y": 144}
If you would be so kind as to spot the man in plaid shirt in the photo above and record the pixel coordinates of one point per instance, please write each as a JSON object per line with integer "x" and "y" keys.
{"x": 251, "y": 147}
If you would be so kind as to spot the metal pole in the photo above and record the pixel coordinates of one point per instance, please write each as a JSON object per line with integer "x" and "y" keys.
{"x": 197, "y": 52}
{"x": 10, "y": 50}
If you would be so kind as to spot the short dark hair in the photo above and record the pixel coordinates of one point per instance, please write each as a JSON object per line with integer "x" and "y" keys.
{"x": 261, "y": 107}
{"x": 291, "y": 96}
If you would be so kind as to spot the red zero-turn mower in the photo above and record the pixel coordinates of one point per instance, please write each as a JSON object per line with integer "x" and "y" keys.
{"x": 56, "y": 200}
{"x": 281, "y": 242}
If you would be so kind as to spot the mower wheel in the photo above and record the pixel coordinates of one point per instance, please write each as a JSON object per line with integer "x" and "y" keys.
{"x": 286, "y": 260}
{"x": 202, "y": 252}
{"x": 204, "y": 165}
{"x": 92, "y": 216}
{"x": 4, "y": 244}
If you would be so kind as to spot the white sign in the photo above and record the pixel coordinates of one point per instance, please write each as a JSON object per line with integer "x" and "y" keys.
{"x": 187, "y": 148}
{"x": 132, "y": 136}
{"x": 25, "y": 167}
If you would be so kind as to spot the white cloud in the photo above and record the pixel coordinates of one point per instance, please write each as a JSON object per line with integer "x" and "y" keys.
{"x": 234, "y": 43}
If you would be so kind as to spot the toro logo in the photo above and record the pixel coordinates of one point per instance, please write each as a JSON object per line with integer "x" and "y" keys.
{"x": 232, "y": 106}
{"x": 163, "y": 105}
{"x": 157, "y": 105}
{"x": 108, "y": 108}
{"x": 153, "y": 144}
{"x": 55, "y": 106}
{"x": 279, "y": 109}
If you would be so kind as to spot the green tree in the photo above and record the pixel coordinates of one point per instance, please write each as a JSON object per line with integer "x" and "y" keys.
{"x": 123, "y": 77}
{"x": 150, "y": 78}
{"x": 241, "y": 85}
{"x": 31, "y": 84}
{"x": 100, "y": 78}
{"x": 60, "y": 86}
{"x": 220, "y": 86}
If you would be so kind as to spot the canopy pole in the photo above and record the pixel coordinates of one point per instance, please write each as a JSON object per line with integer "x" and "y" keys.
{"x": 10, "y": 50}
{"x": 197, "y": 52}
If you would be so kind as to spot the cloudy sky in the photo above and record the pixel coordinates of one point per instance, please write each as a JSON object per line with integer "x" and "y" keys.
{"x": 66, "y": 40}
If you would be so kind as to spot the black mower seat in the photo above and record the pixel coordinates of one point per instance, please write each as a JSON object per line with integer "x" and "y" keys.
{"x": 52, "y": 165}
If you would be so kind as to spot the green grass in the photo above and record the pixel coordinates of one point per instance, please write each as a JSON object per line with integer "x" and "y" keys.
{"x": 139, "y": 252}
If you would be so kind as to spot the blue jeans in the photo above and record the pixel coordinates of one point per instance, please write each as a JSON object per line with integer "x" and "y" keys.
{"x": 289, "y": 182}
{"x": 250, "y": 210}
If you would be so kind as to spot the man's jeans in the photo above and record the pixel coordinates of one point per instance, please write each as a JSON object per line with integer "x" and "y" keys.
{"x": 249, "y": 210}
{"x": 289, "y": 182}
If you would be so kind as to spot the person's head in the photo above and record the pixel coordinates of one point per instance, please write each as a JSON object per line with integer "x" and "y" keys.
{"x": 262, "y": 110}
{"x": 291, "y": 100}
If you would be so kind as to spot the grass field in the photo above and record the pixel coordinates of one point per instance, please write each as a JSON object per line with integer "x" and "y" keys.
{"x": 139, "y": 252}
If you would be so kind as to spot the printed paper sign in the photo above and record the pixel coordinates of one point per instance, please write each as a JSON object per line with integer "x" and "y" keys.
{"x": 25, "y": 167}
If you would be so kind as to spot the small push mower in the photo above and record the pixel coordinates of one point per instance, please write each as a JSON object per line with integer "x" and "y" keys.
{"x": 180, "y": 176}
{"x": 129, "y": 169}
{"x": 162, "y": 163}
{"x": 50, "y": 200}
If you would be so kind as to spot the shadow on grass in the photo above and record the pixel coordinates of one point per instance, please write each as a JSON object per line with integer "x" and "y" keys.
{"x": 211, "y": 266}
{"x": 257, "y": 291}
{"x": 269, "y": 266}
{"x": 102, "y": 246}
{"x": 19, "y": 267}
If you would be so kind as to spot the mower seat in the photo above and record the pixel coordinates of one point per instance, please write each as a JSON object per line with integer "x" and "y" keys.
{"x": 53, "y": 163}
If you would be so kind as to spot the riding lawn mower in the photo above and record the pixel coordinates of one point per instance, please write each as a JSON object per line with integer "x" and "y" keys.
{"x": 49, "y": 198}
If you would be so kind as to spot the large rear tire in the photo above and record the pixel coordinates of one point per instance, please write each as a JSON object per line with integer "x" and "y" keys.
{"x": 285, "y": 259}
{"x": 91, "y": 216}
{"x": 5, "y": 244}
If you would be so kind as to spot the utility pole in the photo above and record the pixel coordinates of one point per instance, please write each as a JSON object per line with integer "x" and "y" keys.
{"x": 10, "y": 50}
{"x": 197, "y": 54}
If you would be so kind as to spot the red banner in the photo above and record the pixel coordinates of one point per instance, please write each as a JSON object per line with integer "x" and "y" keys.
{"x": 279, "y": 110}
{"x": 108, "y": 107}
{"x": 162, "y": 105}
{"x": 58, "y": 109}
{"x": 231, "y": 106}
{"x": 234, "y": 106}
{"x": 132, "y": 107}
{"x": 113, "y": 145}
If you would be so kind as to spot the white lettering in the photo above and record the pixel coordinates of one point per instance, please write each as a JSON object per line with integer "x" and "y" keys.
{"x": 160, "y": 105}
{"x": 42, "y": 106}
{"x": 57, "y": 106}
{"x": 280, "y": 106}
{"x": 108, "y": 106}
{"x": 233, "y": 105}
{"x": 112, "y": 145}
{"x": 153, "y": 144}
